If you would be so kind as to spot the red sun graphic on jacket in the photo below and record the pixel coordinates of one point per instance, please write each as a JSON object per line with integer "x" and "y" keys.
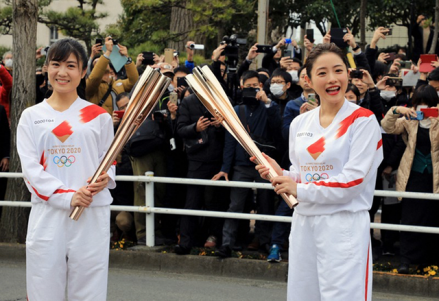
{"x": 63, "y": 131}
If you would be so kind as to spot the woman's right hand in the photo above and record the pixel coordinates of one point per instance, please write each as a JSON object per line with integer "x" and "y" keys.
{"x": 407, "y": 112}
{"x": 264, "y": 170}
{"x": 82, "y": 197}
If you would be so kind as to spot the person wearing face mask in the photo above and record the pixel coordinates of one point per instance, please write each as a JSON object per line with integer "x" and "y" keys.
{"x": 391, "y": 95}
{"x": 279, "y": 85}
{"x": 292, "y": 66}
{"x": 417, "y": 172}
{"x": 260, "y": 116}
{"x": 8, "y": 61}
{"x": 102, "y": 85}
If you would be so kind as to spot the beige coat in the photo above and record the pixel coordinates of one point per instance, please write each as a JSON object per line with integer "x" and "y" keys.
{"x": 96, "y": 88}
{"x": 409, "y": 129}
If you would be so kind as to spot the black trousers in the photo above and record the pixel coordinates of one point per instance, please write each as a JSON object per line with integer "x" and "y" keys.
{"x": 197, "y": 197}
{"x": 419, "y": 248}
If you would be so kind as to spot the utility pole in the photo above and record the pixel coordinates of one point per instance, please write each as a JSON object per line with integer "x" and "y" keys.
{"x": 363, "y": 7}
{"x": 436, "y": 29}
{"x": 262, "y": 26}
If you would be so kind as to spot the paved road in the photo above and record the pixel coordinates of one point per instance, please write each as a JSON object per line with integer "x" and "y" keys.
{"x": 128, "y": 285}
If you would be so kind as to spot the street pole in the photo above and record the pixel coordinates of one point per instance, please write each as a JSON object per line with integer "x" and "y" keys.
{"x": 262, "y": 26}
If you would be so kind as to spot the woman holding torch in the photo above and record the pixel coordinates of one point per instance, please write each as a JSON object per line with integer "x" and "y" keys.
{"x": 61, "y": 142}
{"x": 335, "y": 151}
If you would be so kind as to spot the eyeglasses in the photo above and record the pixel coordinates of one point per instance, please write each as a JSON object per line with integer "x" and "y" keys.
{"x": 251, "y": 86}
{"x": 277, "y": 82}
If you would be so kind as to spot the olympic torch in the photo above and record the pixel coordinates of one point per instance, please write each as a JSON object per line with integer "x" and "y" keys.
{"x": 147, "y": 92}
{"x": 207, "y": 88}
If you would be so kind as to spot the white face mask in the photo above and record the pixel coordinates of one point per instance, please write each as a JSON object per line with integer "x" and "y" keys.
{"x": 171, "y": 88}
{"x": 8, "y": 63}
{"x": 387, "y": 95}
{"x": 294, "y": 76}
{"x": 277, "y": 89}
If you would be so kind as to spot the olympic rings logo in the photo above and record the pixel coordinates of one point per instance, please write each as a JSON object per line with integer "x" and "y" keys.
{"x": 316, "y": 177}
{"x": 64, "y": 161}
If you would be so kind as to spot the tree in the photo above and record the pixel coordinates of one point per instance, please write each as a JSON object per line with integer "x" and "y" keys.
{"x": 79, "y": 22}
{"x": 6, "y": 18}
{"x": 436, "y": 28}
{"x": 171, "y": 22}
{"x": 25, "y": 14}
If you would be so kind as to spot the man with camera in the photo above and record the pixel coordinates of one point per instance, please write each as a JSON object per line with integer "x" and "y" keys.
{"x": 203, "y": 138}
{"x": 261, "y": 117}
{"x": 102, "y": 85}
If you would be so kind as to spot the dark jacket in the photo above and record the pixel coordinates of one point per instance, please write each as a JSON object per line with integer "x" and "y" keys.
{"x": 292, "y": 110}
{"x": 418, "y": 43}
{"x": 372, "y": 101}
{"x": 361, "y": 61}
{"x": 262, "y": 122}
{"x": 371, "y": 56}
{"x": 189, "y": 111}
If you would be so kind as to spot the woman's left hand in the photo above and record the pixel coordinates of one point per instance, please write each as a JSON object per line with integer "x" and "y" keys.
{"x": 100, "y": 183}
{"x": 284, "y": 184}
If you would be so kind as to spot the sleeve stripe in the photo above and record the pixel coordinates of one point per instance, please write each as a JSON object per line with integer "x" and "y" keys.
{"x": 338, "y": 185}
{"x": 64, "y": 191}
{"x": 43, "y": 197}
{"x": 46, "y": 198}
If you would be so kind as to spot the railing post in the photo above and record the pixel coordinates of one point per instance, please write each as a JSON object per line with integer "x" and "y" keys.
{"x": 149, "y": 203}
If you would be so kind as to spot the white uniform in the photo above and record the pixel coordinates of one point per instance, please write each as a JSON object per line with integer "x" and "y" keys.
{"x": 59, "y": 151}
{"x": 335, "y": 167}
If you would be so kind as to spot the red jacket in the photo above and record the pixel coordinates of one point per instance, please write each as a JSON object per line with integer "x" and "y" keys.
{"x": 5, "y": 89}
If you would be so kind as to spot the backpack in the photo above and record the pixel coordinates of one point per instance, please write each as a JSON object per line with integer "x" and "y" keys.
{"x": 148, "y": 138}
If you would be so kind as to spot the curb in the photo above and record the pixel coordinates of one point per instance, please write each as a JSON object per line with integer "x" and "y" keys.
{"x": 152, "y": 259}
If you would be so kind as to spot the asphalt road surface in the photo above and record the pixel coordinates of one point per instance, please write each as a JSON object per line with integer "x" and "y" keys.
{"x": 129, "y": 285}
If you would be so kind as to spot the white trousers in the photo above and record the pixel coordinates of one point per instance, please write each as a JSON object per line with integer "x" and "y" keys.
{"x": 63, "y": 255}
{"x": 330, "y": 258}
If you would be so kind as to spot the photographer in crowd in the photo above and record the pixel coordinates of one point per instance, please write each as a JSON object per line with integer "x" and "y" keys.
{"x": 102, "y": 85}
{"x": 261, "y": 118}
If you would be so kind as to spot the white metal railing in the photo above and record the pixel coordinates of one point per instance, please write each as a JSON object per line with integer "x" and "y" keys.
{"x": 150, "y": 210}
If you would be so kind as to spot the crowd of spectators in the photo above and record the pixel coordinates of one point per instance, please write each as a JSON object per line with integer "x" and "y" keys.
{"x": 181, "y": 139}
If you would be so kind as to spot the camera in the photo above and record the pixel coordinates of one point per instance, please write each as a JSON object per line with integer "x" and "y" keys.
{"x": 356, "y": 74}
{"x": 115, "y": 42}
{"x": 249, "y": 96}
{"x": 394, "y": 81}
{"x": 196, "y": 46}
{"x": 264, "y": 49}
{"x": 405, "y": 64}
{"x": 98, "y": 41}
{"x": 233, "y": 40}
